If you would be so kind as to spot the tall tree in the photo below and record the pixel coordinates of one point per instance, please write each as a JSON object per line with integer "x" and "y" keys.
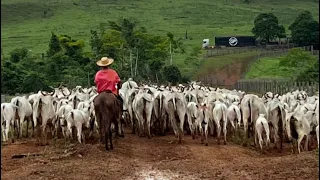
{"x": 54, "y": 45}
{"x": 267, "y": 27}
{"x": 305, "y": 30}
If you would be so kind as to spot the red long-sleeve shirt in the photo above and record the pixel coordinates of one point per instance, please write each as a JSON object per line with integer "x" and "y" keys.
{"x": 107, "y": 79}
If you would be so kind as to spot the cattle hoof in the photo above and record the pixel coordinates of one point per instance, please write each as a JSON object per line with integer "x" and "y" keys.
{"x": 107, "y": 149}
{"x": 224, "y": 143}
{"x": 12, "y": 140}
{"x": 193, "y": 137}
{"x": 218, "y": 143}
{"x": 121, "y": 135}
{"x": 206, "y": 144}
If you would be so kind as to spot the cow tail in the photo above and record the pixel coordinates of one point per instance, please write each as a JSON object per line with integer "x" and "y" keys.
{"x": 72, "y": 115}
{"x": 174, "y": 102}
{"x": 250, "y": 102}
{"x": 160, "y": 104}
{"x": 280, "y": 126}
{"x": 224, "y": 115}
{"x": 238, "y": 113}
{"x": 17, "y": 105}
{"x": 74, "y": 102}
{"x": 293, "y": 132}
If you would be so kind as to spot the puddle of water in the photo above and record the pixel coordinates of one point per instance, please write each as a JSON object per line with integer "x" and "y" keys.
{"x": 155, "y": 174}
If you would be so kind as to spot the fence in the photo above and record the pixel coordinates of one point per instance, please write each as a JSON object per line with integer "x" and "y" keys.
{"x": 262, "y": 51}
{"x": 3, "y": 98}
{"x": 275, "y": 86}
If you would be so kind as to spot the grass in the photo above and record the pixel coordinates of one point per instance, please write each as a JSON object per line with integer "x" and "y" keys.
{"x": 268, "y": 68}
{"x": 24, "y": 25}
{"x": 215, "y": 63}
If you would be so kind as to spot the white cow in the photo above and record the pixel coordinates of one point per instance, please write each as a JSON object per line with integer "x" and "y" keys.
{"x": 61, "y": 116}
{"x": 234, "y": 115}
{"x": 175, "y": 104}
{"x": 143, "y": 104}
{"x": 77, "y": 118}
{"x": 262, "y": 126}
{"x": 297, "y": 128}
{"x": 43, "y": 114}
{"x": 219, "y": 115}
{"x": 192, "y": 114}
{"x": 8, "y": 113}
{"x": 24, "y": 112}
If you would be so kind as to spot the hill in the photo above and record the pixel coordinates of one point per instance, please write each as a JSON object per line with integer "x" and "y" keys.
{"x": 28, "y": 23}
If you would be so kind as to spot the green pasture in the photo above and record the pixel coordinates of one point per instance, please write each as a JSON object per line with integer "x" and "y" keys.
{"x": 24, "y": 23}
{"x": 268, "y": 68}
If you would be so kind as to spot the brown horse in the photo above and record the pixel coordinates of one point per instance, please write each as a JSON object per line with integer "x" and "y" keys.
{"x": 107, "y": 109}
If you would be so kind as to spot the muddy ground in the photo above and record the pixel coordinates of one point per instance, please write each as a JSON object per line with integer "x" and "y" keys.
{"x": 157, "y": 158}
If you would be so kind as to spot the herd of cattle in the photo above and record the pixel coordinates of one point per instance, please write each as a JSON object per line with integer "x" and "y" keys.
{"x": 151, "y": 109}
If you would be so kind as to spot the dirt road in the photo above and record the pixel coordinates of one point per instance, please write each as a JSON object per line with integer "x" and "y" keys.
{"x": 156, "y": 158}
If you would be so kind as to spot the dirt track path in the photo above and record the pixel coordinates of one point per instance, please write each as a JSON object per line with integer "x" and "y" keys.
{"x": 156, "y": 158}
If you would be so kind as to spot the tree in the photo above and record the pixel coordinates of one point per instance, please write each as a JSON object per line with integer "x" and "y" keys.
{"x": 172, "y": 74}
{"x": 267, "y": 27}
{"x": 311, "y": 74}
{"x": 305, "y": 30}
{"x": 18, "y": 54}
{"x": 95, "y": 43}
{"x": 11, "y": 77}
{"x": 302, "y": 63}
{"x": 54, "y": 45}
{"x": 193, "y": 58}
{"x": 155, "y": 67}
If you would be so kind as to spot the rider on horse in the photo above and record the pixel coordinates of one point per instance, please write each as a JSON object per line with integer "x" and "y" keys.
{"x": 107, "y": 79}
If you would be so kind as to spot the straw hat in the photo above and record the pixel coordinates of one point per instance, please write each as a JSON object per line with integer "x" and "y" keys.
{"x": 105, "y": 61}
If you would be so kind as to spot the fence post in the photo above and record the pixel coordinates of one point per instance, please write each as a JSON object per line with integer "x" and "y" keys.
{"x": 3, "y": 98}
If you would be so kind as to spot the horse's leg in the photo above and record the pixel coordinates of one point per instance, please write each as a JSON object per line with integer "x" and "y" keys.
{"x": 116, "y": 127}
{"x": 107, "y": 133}
{"x": 110, "y": 136}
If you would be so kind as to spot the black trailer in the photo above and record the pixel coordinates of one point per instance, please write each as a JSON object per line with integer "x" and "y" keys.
{"x": 235, "y": 41}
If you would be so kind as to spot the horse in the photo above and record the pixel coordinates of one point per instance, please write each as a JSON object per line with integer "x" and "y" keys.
{"x": 108, "y": 110}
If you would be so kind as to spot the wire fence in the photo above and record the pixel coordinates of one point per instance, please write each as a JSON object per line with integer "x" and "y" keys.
{"x": 268, "y": 51}
{"x": 276, "y": 86}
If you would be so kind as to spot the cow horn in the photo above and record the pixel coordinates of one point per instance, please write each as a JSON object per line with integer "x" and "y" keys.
{"x": 43, "y": 93}
{"x": 51, "y": 93}
{"x": 182, "y": 89}
{"x": 64, "y": 93}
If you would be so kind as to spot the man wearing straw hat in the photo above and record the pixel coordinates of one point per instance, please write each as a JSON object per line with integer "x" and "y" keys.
{"x": 107, "y": 79}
